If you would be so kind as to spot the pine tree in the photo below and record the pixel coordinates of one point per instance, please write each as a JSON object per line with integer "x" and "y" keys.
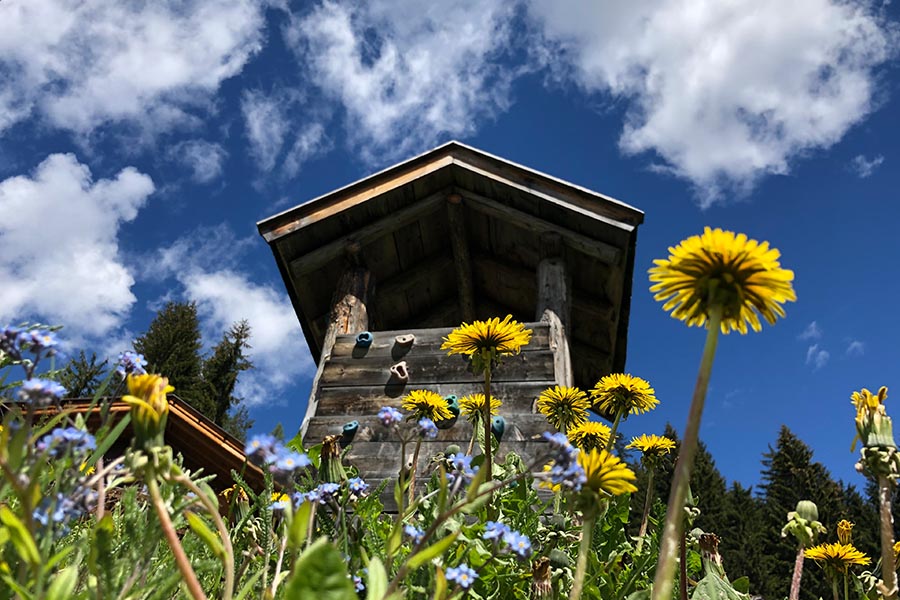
{"x": 741, "y": 534}
{"x": 789, "y": 475}
{"x": 220, "y": 371}
{"x": 82, "y": 376}
{"x": 172, "y": 346}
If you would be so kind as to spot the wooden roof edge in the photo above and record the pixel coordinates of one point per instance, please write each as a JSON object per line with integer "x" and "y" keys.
{"x": 277, "y": 226}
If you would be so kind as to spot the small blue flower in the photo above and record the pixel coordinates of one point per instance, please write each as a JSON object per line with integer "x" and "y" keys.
{"x": 358, "y": 486}
{"x": 287, "y": 461}
{"x": 41, "y": 392}
{"x": 414, "y": 533}
{"x": 389, "y": 415}
{"x": 131, "y": 363}
{"x": 262, "y": 446}
{"x": 298, "y": 498}
{"x": 519, "y": 544}
{"x": 323, "y": 493}
{"x": 565, "y": 470}
{"x": 495, "y": 531}
{"x": 279, "y": 505}
{"x": 427, "y": 429}
{"x": 461, "y": 466}
{"x": 67, "y": 440}
{"x": 463, "y": 576}
{"x": 358, "y": 583}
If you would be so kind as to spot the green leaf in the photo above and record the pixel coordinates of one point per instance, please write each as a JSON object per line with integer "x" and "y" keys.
{"x": 742, "y": 584}
{"x": 248, "y": 587}
{"x": 320, "y": 573}
{"x": 206, "y": 534}
{"x": 16, "y": 587}
{"x": 377, "y": 581}
{"x": 299, "y": 525}
{"x": 432, "y": 551}
{"x": 713, "y": 587}
{"x": 440, "y": 584}
{"x": 63, "y": 584}
{"x": 394, "y": 539}
{"x": 108, "y": 440}
{"x": 20, "y": 537}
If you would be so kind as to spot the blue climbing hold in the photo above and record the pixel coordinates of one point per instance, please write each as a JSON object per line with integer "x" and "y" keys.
{"x": 364, "y": 339}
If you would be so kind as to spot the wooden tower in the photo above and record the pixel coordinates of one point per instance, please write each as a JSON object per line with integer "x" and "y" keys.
{"x": 452, "y": 235}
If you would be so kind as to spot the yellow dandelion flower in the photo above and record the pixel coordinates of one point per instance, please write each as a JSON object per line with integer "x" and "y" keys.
{"x": 472, "y": 406}
{"x": 564, "y": 407}
{"x": 86, "y": 469}
{"x": 896, "y": 551}
{"x": 844, "y": 531}
{"x": 498, "y": 337}
{"x": 741, "y": 275}
{"x": 620, "y": 393}
{"x": 867, "y": 403}
{"x": 149, "y": 405}
{"x": 546, "y": 484}
{"x": 227, "y": 493}
{"x": 606, "y": 473}
{"x": 652, "y": 446}
{"x": 427, "y": 404}
{"x": 838, "y": 557}
{"x": 589, "y": 435}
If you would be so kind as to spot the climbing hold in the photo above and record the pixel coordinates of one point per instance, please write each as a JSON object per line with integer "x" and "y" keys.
{"x": 405, "y": 340}
{"x": 400, "y": 371}
{"x": 453, "y": 407}
{"x": 498, "y": 426}
{"x": 364, "y": 339}
{"x": 348, "y": 433}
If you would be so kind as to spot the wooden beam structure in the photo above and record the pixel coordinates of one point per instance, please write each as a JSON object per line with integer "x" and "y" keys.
{"x": 459, "y": 244}
{"x": 554, "y": 303}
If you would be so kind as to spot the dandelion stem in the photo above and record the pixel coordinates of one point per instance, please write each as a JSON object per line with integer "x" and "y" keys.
{"x": 665, "y": 571}
{"x": 798, "y": 574}
{"x": 612, "y": 432}
{"x": 846, "y": 591}
{"x": 587, "y": 532}
{"x": 181, "y": 559}
{"x": 415, "y": 467}
{"x": 486, "y": 417}
{"x": 888, "y": 572}
{"x": 646, "y": 516}
{"x": 834, "y": 588}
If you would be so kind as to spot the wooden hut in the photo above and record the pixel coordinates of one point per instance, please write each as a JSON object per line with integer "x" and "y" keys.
{"x": 452, "y": 235}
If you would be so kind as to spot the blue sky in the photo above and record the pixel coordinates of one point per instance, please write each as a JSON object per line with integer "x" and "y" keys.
{"x": 141, "y": 142}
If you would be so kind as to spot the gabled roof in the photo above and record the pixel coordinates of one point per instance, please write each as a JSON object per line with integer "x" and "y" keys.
{"x": 398, "y": 219}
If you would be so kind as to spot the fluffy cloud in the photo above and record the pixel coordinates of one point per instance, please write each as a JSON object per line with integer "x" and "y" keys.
{"x": 408, "y": 73}
{"x": 224, "y": 295}
{"x": 864, "y": 167}
{"x": 812, "y": 332}
{"x": 856, "y": 348}
{"x": 817, "y": 357}
{"x": 81, "y": 64}
{"x": 205, "y": 160}
{"x": 58, "y": 240}
{"x": 724, "y": 92}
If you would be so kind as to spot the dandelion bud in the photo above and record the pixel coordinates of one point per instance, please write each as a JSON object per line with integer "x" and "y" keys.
{"x": 541, "y": 584}
{"x": 149, "y": 408}
{"x": 808, "y": 510}
{"x": 331, "y": 469}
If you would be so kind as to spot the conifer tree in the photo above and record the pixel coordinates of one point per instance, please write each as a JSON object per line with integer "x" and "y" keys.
{"x": 741, "y": 535}
{"x": 82, "y": 376}
{"x": 789, "y": 475}
{"x": 220, "y": 371}
{"x": 172, "y": 346}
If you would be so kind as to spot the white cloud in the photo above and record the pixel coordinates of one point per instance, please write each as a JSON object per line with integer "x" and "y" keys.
{"x": 266, "y": 123}
{"x": 856, "y": 348}
{"x": 408, "y": 73}
{"x": 225, "y": 295}
{"x": 81, "y": 64}
{"x": 864, "y": 167}
{"x": 724, "y": 92}
{"x": 310, "y": 142}
{"x": 204, "y": 159}
{"x": 812, "y": 332}
{"x": 817, "y": 357}
{"x": 278, "y": 351}
{"x": 58, "y": 240}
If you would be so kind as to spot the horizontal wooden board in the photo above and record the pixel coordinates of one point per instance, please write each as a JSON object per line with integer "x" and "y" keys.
{"x": 359, "y": 401}
{"x": 428, "y": 341}
{"x": 433, "y": 368}
{"x": 390, "y": 507}
{"x": 382, "y": 459}
{"x": 519, "y": 428}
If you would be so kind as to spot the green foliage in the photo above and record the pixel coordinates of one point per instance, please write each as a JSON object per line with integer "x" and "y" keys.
{"x": 82, "y": 376}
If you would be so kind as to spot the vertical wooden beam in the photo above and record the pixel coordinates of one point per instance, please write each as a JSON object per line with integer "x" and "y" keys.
{"x": 461, "y": 258}
{"x": 348, "y": 315}
{"x": 554, "y": 304}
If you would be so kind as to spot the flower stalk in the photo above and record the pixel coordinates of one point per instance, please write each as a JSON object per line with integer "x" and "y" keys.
{"x": 587, "y": 532}
{"x": 888, "y": 571}
{"x": 645, "y": 518}
{"x": 665, "y": 571}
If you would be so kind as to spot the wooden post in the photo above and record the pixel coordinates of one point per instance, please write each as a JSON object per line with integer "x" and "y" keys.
{"x": 461, "y": 259}
{"x": 348, "y": 315}
{"x": 554, "y": 304}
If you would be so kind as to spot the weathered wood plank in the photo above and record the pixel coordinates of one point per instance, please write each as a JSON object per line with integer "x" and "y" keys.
{"x": 434, "y": 368}
{"x": 459, "y": 243}
{"x": 385, "y": 456}
{"x": 554, "y": 304}
{"x": 428, "y": 341}
{"x": 441, "y": 315}
{"x": 519, "y": 427}
{"x": 431, "y": 272}
{"x": 581, "y": 243}
{"x": 322, "y": 255}
{"x": 359, "y": 401}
